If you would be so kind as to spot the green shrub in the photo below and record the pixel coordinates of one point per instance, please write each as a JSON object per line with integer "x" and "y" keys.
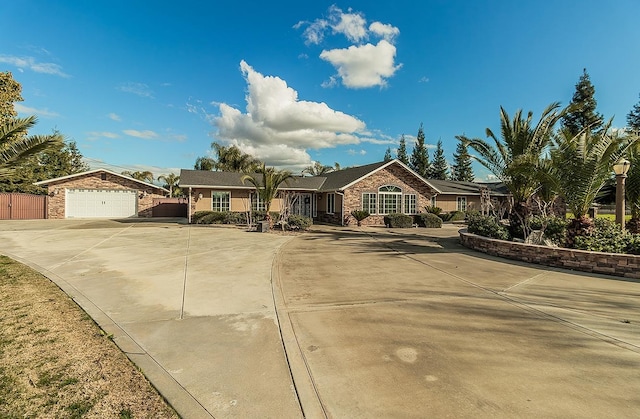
{"x": 397, "y": 220}
{"x": 212, "y": 217}
{"x": 457, "y": 216}
{"x": 633, "y": 244}
{"x": 198, "y": 215}
{"x": 299, "y": 222}
{"x": 429, "y": 220}
{"x": 555, "y": 228}
{"x": 607, "y": 237}
{"x": 433, "y": 209}
{"x": 359, "y": 215}
{"x": 488, "y": 226}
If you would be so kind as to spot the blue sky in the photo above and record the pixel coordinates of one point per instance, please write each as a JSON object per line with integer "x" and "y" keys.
{"x": 143, "y": 85}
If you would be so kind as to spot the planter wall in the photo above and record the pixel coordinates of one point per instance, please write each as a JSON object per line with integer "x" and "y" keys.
{"x": 623, "y": 265}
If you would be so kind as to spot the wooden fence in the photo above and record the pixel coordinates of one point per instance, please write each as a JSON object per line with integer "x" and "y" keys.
{"x": 21, "y": 206}
{"x": 169, "y": 207}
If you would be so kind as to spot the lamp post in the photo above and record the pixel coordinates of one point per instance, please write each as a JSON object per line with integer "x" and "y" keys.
{"x": 620, "y": 169}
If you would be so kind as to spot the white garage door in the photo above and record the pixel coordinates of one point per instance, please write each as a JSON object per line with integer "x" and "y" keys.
{"x": 100, "y": 203}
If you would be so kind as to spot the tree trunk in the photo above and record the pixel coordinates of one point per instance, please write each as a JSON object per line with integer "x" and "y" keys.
{"x": 582, "y": 226}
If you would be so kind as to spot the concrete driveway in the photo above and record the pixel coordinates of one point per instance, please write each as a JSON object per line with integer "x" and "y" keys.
{"x": 375, "y": 322}
{"x": 408, "y": 323}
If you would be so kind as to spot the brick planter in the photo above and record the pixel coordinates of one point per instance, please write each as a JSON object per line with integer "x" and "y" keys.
{"x": 617, "y": 264}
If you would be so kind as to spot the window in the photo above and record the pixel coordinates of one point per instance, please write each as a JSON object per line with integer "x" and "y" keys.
{"x": 369, "y": 202}
{"x": 220, "y": 201}
{"x": 462, "y": 203}
{"x": 389, "y": 199}
{"x": 256, "y": 203}
{"x": 331, "y": 203}
{"x": 410, "y": 204}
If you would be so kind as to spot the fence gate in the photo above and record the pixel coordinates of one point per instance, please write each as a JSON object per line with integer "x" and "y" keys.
{"x": 22, "y": 206}
{"x": 169, "y": 207}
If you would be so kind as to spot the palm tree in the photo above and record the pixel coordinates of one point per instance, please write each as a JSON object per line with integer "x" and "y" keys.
{"x": 633, "y": 185}
{"x": 16, "y": 147}
{"x": 267, "y": 181}
{"x": 318, "y": 169}
{"x": 232, "y": 159}
{"x": 145, "y": 176}
{"x": 204, "y": 163}
{"x": 515, "y": 158}
{"x": 171, "y": 180}
{"x": 580, "y": 167}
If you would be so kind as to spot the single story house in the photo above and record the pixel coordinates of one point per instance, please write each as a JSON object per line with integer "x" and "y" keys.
{"x": 379, "y": 188}
{"x": 463, "y": 196}
{"x": 100, "y": 193}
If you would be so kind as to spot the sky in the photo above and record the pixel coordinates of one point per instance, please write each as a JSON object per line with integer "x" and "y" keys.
{"x": 149, "y": 85}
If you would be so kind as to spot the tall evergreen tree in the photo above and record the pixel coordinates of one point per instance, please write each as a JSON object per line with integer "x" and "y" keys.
{"x": 462, "y": 168}
{"x": 440, "y": 167}
{"x": 582, "y": 109}
{"x": 633, "y": 118}
{"x": 420, "y": 156}
{"x": 387, "y": 154}
{"x": 402, "y": 151}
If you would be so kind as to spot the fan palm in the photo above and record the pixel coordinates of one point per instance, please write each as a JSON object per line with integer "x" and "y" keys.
{"x": 267, "y": 181}
{"x": 580, "y": 167}
{"x": 514, "y": 159}
{"x": 16, "y": 147}
{"x": 171, "y": 180}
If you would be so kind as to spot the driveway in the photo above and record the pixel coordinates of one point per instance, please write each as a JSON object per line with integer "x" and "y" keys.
{"x": 408, "y": 323}
{"x": 375, "y": 322}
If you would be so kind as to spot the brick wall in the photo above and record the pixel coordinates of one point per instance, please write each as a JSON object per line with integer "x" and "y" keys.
{"x": 627, "y": 266}
{"x": 94, "y": 181}
{"x": 391, "y": 175}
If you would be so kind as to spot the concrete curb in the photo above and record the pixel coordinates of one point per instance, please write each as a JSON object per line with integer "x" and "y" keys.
{"x": 308, "y": 397}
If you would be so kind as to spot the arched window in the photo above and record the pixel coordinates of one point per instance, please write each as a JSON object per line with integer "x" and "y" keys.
{"x": 389, "y": 199}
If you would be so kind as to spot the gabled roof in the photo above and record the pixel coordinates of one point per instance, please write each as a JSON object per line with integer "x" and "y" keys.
{"x": 451, "y": 187}
{"x": 233, "y": 180}
{"x": 342, "y": 179}
{"x": 89, "y": 172}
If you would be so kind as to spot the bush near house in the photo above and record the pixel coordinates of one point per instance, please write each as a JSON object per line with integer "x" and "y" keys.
{"x": 396, "y": 220}
{"x": 433, "y": 209}
{"x": 429, "y": 220}
{"x": 299, "y": 222}
{"x": 488, "y": 226}
{"x": 452, "y": 216}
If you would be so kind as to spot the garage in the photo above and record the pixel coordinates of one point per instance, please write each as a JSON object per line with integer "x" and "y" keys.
{"x": 100, "y": 193}
{"x": 100, "y": 203}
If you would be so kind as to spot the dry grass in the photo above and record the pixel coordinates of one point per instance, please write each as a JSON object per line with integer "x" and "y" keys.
{"x": 56, "y": 362}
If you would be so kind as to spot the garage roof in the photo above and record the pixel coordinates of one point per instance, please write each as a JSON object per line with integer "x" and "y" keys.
{"x": 89, "y": 172}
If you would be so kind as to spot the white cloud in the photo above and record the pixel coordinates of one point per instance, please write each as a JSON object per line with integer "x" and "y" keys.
{"x": 30, "y": 63}
{"x": 139, "y": 89}
{"x": 361, "y": 65}
{"x": 386, "y": 31}
{"x": 46, "y": 113}
{"x": 278, "y": 127}
{"x": 314, "y": 33}
{"x": 114, "y": 117}
{"x": 94, "y": 135}
{"x": 356, "y": 152}
{"x": 351, "y": 25}
{"x": 364, "y": 66}
{"x": 146, "y": 135}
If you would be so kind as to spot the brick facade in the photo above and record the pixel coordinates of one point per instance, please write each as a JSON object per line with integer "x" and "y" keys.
{"x": 394, "y": 175}
{"x": 624, "y": 265}
{"x": 93, "y": 180}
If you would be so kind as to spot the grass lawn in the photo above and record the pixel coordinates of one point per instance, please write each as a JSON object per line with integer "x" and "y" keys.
{"x": 55, "y": 362}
